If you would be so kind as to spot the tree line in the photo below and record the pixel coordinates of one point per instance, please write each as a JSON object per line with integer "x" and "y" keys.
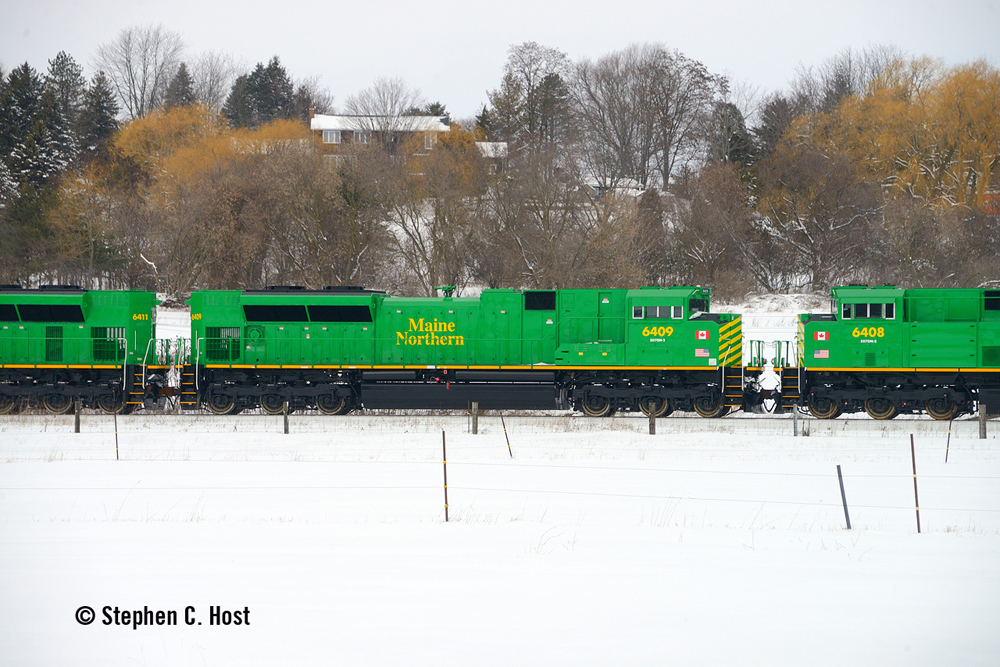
{"x": 641, "y": 167}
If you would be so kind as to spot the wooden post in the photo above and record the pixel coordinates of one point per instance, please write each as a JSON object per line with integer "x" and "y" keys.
{"x": 916, "y": 499}
{"x": 509, "y": 451}
{"x": 116, "y": 436}
{"x": 76, "y": 416}
{"x": 475, "y": 418}
{"x": 795, "y": 420}
{"x": 652, "y": 423}
{"x": 285, "y": 414}
{"x": 947, "y": 446}
{"x": 843, "y": 496}
{"x": 444, "y": 460}
{"x": 982, "y": 421}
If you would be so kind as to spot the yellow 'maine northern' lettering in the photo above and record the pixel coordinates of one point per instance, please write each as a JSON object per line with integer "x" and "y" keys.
{"x": 422, "y": 332}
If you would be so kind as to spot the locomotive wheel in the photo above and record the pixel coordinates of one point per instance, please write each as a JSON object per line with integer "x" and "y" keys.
{"x": 57, "y": 404}
{"x": 110, "y": 404}
{"x": 272, "y": 404}
{"x": 880, "y": 408}
{"x": 823, "y": 408}
{"x": 220, "y": 404}
{"x": 597, "y": 406}
{"x": 710, "y": 406}
{"x": 654, "y": 406}
{"x": 9, "y": 404}
{"x": 941, "y": 409}
{"x": 328, "y": 404}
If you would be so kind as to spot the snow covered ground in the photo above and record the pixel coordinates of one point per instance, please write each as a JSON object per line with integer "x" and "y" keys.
{"x": 594, "y": 545}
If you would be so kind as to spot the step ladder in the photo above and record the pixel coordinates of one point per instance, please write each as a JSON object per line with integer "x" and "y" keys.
{"x": 732, "y": 386}
{"x": 189, "y": 393}
{"x": 789, "y": 387}
{"x": 136, "y": 390}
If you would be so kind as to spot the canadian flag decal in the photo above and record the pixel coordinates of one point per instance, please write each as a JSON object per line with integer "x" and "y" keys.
{"x": 701, "y": 335}
{"x": 821, "y": 335}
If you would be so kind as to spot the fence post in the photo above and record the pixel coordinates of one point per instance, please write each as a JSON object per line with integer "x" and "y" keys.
{"x": 285, "y": 411}
{"x": 76, "y": 416}
{"x": 652, "y": 423}
{"x": 843, "y": 496}
{"x": 475, "y": 418}
{"x": 444, "y": 461}
{"x": 795, "y": 421}
{"x": 916, "y": 499}
{"x": 982, "y": 421}
{"x": 947, "y": 446}
{"x": 504, "y": 424}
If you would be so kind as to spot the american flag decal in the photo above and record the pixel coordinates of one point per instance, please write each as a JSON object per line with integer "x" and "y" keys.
{"x": 699, "y": 352}
{"x": 821, "y": 354}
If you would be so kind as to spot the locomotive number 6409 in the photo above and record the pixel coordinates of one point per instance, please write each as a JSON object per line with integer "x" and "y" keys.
{"x": 658, "y": 331}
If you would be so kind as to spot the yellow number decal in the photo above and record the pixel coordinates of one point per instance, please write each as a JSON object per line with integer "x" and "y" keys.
{"x": 869, "y": 332}
{"x": 195, "y": 316}
{"x": 140, "y": 316}
{"x": 658, "y": 331}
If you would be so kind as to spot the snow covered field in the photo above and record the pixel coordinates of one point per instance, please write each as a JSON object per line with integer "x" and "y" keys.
{"x": 596, "y": 544}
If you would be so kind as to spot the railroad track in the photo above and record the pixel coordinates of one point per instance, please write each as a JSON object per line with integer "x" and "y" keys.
{"x": 490, "y": 424}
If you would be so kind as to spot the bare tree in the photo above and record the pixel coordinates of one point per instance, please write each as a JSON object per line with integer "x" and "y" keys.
{"x": 532, "y": 104}
{"x": 849, "y": 72}
{"x": 382, "y": 109}
{"x": 140, "y": 62}
{"x": 644, "y": 112}
{"x": 213, "y": 73}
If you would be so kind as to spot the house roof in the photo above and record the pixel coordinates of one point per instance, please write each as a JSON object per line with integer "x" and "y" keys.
{"x": 363, "y": 123}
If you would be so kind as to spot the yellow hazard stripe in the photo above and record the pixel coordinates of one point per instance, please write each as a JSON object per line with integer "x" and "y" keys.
{"x": 731, "y": 324}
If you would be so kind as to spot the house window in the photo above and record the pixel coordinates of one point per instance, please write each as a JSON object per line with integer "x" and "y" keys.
{"x": 360, "y": 137}
{"x": 430, "y": 138}
{"x": 331, "y": 136}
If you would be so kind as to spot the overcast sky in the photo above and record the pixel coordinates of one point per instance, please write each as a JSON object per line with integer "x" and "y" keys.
{"x": 453, "y": 52}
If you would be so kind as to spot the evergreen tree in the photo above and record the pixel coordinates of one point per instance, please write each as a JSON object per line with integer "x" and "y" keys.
{"x": 99, "y": 116}
{"x": 238, "y": 108}
{"x": 261, "y": 96}
{"x": 47, "y": 148}
{"x": 65, "y": 78}
{"x": 485, "y": 125}
{"x": 181, "y": 89}
{"x": 728, "y": 137}
{"x": 20, "y": 101}
{"x": 36, "y": 142}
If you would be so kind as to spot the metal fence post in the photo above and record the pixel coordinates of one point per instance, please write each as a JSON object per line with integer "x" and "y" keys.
{"x": 475, "y": 417}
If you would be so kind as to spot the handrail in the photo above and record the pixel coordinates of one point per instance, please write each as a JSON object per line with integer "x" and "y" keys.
{"x": 197, "y": 358}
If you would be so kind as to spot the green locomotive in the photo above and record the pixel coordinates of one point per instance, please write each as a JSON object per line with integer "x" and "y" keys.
{"x": 887, "y": 350}
{"x": 650, "y": 349}
{"x": 62, "y": 343}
